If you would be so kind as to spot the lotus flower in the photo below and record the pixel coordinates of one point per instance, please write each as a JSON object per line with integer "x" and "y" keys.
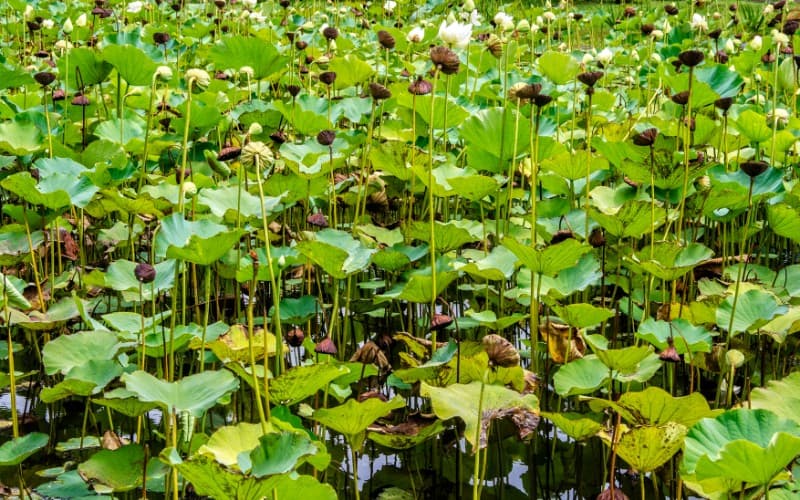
{"x": 455, "y": 34}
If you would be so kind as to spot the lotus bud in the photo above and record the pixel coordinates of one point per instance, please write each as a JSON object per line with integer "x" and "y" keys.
{"x": 780, "y": 38}
{"x": 756, "y": 43}
{"x": 67, "y": 27}
{"x": 524, "y": 26}
{"x": 735, "y": 358}
{"x": 588, "y": 58}
{"x": 163, "y": 73}
{"x": 469, "y": 5}
{"x": 81, "y": 21}
{"x": 416, "y": 35}
{"x": 255, "y": 129}
{"x": 657, "y": 34}
{"x": 604, "y": 57}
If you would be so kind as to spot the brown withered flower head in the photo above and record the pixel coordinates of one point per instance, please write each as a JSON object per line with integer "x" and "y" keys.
{"x": 754, "y": 168}
{"x": 330, "y": 33}
{"x": 670, "y": 354}
{"x": 590, "y": 78}
{"x": 44, "y": 78}
{"x": 317, "y": 219}
{"x": 681, "y": 98}
{"x": 325, "y": 346}
{"x": 80, "y": 100}
{"x": 445, "y": 59}
{"x": 790, "y": 27}
{"x": 501, "y": 352}
{"x": 327, "y": 77}
{"x": 160, "y": 38}
{"x": 724, "y": 104}
{"x": 145, "y": 273}
{"x": 386, "y": 39}
{"x": 646, "y": 137}
{"x": 494, "y": 45}
{"x": 420, "y": 87}
{"x": 440, "y": 321}
{"x": 691, "y": 58}
{"x": 715, "y": 34}
{"x": 295, "y": 337}
{"x": 379, "y": 92}
{"x": 542, "y": 100}
{"x": 597, "y": 238}
{"x": 229, "y": 153}
{"x": 326, "y": 137}
{"x": 671, "y": 10}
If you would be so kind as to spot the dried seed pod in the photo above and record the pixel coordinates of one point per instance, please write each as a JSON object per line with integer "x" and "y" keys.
{"x": 386, "y": 40}
{"x": 379, "y": 92}
{"x": 229, "y": 153}
{"x": 529, "y": 91}
{"x": 561, "y": 235}
{"x": 371, "y": 354}
{"x": 597, "y": 238}
{"x": 542, "y": 100}
{"x": 691, "y": 58}
{"x": 420, "y": 87}
{"x": 670, "y": 354}
{"x": 681, "y": 98}
{"x": 721, "y": 57}
{"x": 714, "y": 35}
{"x": 44, "y": 78}
{"x": 326, "y": 137}
{"x": 295, "y": 337}
{"x": 724, "y": 103}
{"x": 647, "y": 29}
{"x": 590, "y": 78}
{"x": 445, "y": 59}
{"x": 80, "y": 100}
{"x": 325, "y": 346}
{"x": 501, "y": 352}
{"x": 300, "y": 45}
{"x": 330, "y": 33}
{"x": 494, "y": 45}
{"x": 440, "y": 321}
{"x": 646, "y": 137}
{"x": 160, "y": 38}
{"x": 671, "y": 10}
{"x": 293, "y": 90}
{"x": 327, "y": 77}
{"x": 145, "y": 273}
{"x": 754, "y": 168}
{"x": 618, "y": 494}
{"x": 59, "y": 95}
{"x": 317, "y": 219}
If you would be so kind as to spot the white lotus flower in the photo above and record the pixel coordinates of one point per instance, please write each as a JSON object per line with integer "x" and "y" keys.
{"x": 655, "y": 57}
{"x": 455, "y": 34}
{"x": 730, "y": 46}
{"x": 67, "y": 28}
{"x": 768, "y": 9}
{"x": 415, "y": 35}
{"x": 780, "y": 115}
{"x": 81, "y": 21}
{"x": 587, "y": 58}
{"x": 62, "y": 45}
{"x": 549, "y": 16}
{"x": 605, "y": 56}
{"x": 250, "y": 4}
{"x": 200, "y": 77}
{"x": 474, "y": 18}
{"x": 756, "y": 43}
{"x": 257, "y": 17}
{"x": 699, "y": 22}
{"x": 780, "y": 38}
{"x": 504, "y": 21}
{"x": 134, "y": 7}
{"x": 389, "y": 6}
{"x": 48, "y": 24}
{"x": 657, "y": 34}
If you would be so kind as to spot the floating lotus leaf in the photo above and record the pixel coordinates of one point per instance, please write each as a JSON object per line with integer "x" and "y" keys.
{"x": 493, "y": 401}
{"x": 15, "y": 451}
{"x": 118, "y": 470}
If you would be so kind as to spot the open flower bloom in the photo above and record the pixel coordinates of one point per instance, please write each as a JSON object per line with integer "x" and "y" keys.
{"x": 504, "y": 21}
{"x": 415, "y": 35}
{"x": 455, "y": 34}
{"x": 756, "y": 43}
{"x": 699, "y": 23}
{"x": 389, "y": 6}
{"x": 605, "y": 56}
{"x": 134, "y": 7}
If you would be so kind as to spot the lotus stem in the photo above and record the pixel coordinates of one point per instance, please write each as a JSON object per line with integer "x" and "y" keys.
{"x": 686, "y": 147}
{"x": 431, "y": 214}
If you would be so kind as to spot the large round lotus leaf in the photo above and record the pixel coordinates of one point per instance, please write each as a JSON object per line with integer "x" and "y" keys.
{"x": 118, "y": 470}
{"x": 280, "y": 453}
{"x": 15, "y": 451}
{"x": 66, "y": 352}
{"x": 649, "y": 447}
{"x": 195, "y": 393}
{"x": 478, "y": 404}
{"x": 754, "y": 309}
{"x": 352, "y": 418}
{"x": 582, "y": 376}
{"x": 301, "y": 382}
{"x": 229, "y": 441}
{"x": 782, "y": 397}
{"x": 750, "y": 446}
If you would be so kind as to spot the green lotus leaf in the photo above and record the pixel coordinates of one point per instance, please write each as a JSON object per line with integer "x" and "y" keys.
{"x": 84, "y": 380}
{"x": 229, "y": 441}
{"x": 747, "y": 446}
{"x": 352, "y": 418}
{"x": 558, "y": 67}
{"x": 406, "y": 435}
{"x": 299, "y": 310}
{"x": 11, "y": 291}
{"x": 234, "y": 345}
{"x": 120, "y": 276}
{"x": 236, "y": 52}
{"x": 66, "y": 485}
{"x": 195, "y": 393}
{"x": 782, "y": 397}
{"x": 301, "y": 382}
{"x": 753, "y": 125}
{"x": 64, "y": 353}
{"x": 16, "y": 450}
{"x": 227, "y": 202}
{"x": 583, "y": 315}
{"x": 119, "y": 470}
{"x": 649, "y": 447}
{"x": 125, "y": 402}
{"x": 654, "y": 406}
{"x": 449, "y": 236}
{"x": 201, "y": 242}
{"x": 338, "y": 253}
{"x": 552, "y": 259}
{"x": 497, "y": 266}
{"x": 582, "y": 376}
{"x": 630, "y": 221}
{"x": 429, "y": 370}
{"x": 122, "y": 131}
{"x": 350, "y": 70}
{"x": 132, "y": 64}
{"x": 419, "y": 285}
{"x": 573, "y": 166}
{"x": 486, "y": 142}
{"x": 670, "y": 261}
{"x": 14, "y": 77}
{"x": 280, "y": 453}
{"x": 20, "y": 136}
{"x": 474, "y": 187}
{"x": 93, "y": 69}
{"x": 578, "y": 426}
{"x": 784, "y": 220}
{"x": 478, "y": 404}
{"x": 489, "y": 319}
{"x": 753, "y": 310}
{"x": 687, "y": 338}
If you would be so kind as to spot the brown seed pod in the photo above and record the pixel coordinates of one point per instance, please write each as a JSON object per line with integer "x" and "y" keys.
{"x": 317, "y": 219}
{"x": 379, "y": 92}
{"x": 597, "y": 238}
{"x": 691, "y": 58}
{"x": 300, "y": 45}
{"x": 160, "y": 38}
{"x": 386, "y": 39}
{"x": 80, "y": 100}
{"x": 326, "y": 137}
{"x": 646, "y": 137}
{"x": 670, "y": 354}
{"x": 561, "y": 235}
{"x": 371, "y": 354}
{"x": 590, "y": 78}
{"x": 494, "y": 45}
{"x": 724, "y": 103}
{"x": 681, "y": 98}
{"x": 420, "y": 87}
{"x": 44, "y": 78}
{"x": 327, "y": 77}
{"x": 229, "y": 153}
{"x": 542, "y": 100}
{"x": 754, "y": 168}
{"x": 145, "y": 273}
{"x": 325, "y": 346}
{"x": 671, "y": 10}
{"x": 529, "y": 91}
{"x": 501, "y": 352}
{"x": 440, "y": 321}
{"x": 330, "y": 33}
{"x": 295, "y": 337}
{"x": 59, "y": 95}
{"x": 445, "y": 59}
